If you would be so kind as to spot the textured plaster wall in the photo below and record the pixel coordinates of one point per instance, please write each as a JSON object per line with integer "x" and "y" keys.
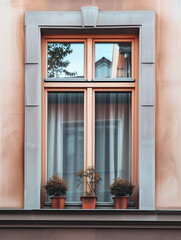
{"x": 168, "y": 92}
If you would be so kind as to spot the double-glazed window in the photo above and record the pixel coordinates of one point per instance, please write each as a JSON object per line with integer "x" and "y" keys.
{"x": 89, "y": 109}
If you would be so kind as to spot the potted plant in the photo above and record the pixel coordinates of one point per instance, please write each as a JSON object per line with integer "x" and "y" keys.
{"x": 91, "y": 178}
{"x": 56, "y": 187}
{"x": 121, "y": 188}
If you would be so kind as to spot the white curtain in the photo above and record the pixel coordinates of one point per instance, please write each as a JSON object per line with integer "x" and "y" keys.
{"x": 112, "y": 139}
{"x": 65, "y": 139}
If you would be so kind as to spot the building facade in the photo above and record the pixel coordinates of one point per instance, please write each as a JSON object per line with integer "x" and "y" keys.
{"x": 114, "y": 104}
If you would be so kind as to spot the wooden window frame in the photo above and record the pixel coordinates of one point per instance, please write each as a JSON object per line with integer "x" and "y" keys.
{"x": 89, "y": 87}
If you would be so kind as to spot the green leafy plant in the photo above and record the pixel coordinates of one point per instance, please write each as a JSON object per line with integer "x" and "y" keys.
{"x": 56, "y": 186}
{"x": 121, "y": 187}
{"x": 91, "y": 178}
{"x": 56, "y": 59}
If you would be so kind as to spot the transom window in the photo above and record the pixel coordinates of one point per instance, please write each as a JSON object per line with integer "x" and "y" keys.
{"x": 89, "y": 113}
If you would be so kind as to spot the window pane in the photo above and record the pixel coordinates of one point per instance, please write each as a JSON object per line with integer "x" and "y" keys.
{"x": 65, "y": 139}
{"x": 112, "y": 60}
{"x": 112, "y": 139}
{"x": 65, "y": 60}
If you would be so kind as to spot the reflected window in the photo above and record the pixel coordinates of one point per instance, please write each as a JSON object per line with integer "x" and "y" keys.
{"x": 65, "y": 60}
{"x": 113, "y": 60}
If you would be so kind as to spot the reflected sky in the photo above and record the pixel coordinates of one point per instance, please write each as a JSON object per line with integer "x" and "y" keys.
{"x": 103, "y": 49}
{"x": 76, "y": 61}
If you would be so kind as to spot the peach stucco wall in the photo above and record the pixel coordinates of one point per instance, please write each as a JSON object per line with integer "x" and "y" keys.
{"x": 168, "y": 92}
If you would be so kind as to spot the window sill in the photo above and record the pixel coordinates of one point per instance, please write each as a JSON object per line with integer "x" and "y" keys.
{"x": 95, "y": 219}
{"x": 78, "y": 205}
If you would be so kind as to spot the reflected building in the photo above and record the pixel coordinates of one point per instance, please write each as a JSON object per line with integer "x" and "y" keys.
{"x": 116, "y": 66}
{"x": 103, "y": 68}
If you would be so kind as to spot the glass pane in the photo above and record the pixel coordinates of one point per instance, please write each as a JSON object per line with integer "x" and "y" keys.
{"x": 65, "y": 139}
{"x": 112, "y": 139}
{"x": 65, "y": 60}
{"x": 113, "y": 60}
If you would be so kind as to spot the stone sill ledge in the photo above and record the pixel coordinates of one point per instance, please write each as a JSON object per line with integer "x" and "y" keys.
{"x": 98, "y": 218}
{"x": 78, "y": 205}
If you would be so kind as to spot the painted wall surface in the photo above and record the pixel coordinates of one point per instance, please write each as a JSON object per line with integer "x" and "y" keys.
{"x": 168, "y": 92}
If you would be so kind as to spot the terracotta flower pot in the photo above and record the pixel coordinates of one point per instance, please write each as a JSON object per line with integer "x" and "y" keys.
{"x": 88, "y": 202}
{"x": 58, "y": 202}
{"x": 120, "y": 202}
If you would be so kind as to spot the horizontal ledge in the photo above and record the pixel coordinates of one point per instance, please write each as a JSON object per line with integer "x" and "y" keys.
{"x": 147, "y": 105}
{"x": 113, "y": 212}
{"x": 99, "y": 205}
{"x": 109, "y": 219}
{"x": 65, "y": 80}
{"x": 67, "y": 12}
{"x": 89, "y": 225}
{"x": 113, "y": 80}
{"x": 148, "y": 63}
{"x": 55, "y": 17}
{"x": 32, "y": 105}
{"x": 29, "y": 63}
{"x": 85, "y": 80}
{"x": 101, "y": 27}
{"x": 91, "y": 84}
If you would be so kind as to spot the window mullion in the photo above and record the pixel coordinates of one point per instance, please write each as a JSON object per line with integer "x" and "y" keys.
{"x": 89, "y": 128}
{"x": 89, "y": 59}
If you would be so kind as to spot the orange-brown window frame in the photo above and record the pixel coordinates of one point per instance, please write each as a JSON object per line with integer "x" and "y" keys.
{"x": 89, "y": 88}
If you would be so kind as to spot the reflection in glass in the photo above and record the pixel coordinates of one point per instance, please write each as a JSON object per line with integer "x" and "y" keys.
{"x": 113, "y": 60}
{"x": 65, "y": 60}
{"x": 65, "y": 139}
{"x": 112, "y": 139}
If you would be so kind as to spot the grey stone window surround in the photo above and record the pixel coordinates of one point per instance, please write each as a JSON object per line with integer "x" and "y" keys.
{"x": 86, "y": 18}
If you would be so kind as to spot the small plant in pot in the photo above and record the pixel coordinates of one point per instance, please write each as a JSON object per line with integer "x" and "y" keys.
{"x": 56, "y": 187}
{"x": 91, "y": 178}
{"x": 121, "y": 188}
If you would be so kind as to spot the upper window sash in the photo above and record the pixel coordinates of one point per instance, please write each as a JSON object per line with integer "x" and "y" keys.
{"x": 117, "y": 58}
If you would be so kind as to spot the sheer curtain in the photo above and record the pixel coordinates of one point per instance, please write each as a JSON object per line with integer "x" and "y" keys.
{"x": 65, "y": 139}
{"x": 112, "y": 139}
